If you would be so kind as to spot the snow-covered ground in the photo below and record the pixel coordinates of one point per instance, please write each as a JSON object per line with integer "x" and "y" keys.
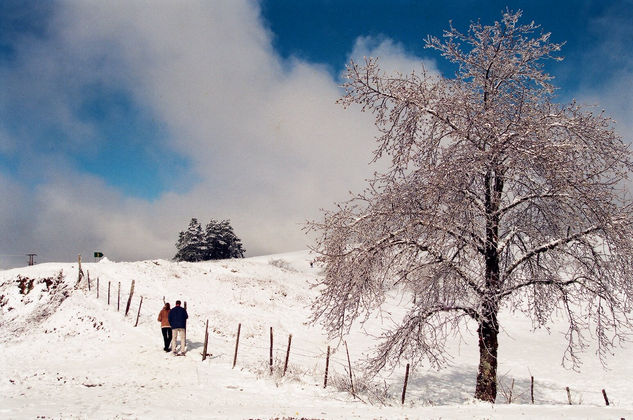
{"x": 64, "y": 353}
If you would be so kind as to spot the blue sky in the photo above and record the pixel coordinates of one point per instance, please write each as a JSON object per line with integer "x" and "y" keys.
{"x": 323, "y": 31}
{"x": 121, "y": 120}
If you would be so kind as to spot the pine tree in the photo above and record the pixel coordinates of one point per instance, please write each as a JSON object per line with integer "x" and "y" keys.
{"x": 217, "y": 241}
{"x": 221, "y": 241}
{"x": 191, "y": 243}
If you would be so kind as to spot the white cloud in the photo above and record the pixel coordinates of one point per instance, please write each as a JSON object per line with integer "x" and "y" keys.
{"x": 393, "y": 58}
{"x": 268, "y": 144}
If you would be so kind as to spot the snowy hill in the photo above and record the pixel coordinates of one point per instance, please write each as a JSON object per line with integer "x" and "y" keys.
{"x": 64, "y": 353}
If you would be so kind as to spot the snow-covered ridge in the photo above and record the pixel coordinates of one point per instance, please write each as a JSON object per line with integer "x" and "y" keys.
{"x": 63, "y": 352}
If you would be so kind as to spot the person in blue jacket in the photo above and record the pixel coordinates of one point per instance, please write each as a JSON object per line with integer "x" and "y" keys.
{"x": 178, "y": 322}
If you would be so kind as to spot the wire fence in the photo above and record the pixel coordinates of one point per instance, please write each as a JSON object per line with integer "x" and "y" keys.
{"x": 298, "y": 360}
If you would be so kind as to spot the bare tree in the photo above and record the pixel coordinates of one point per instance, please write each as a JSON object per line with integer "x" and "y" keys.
{"x": 496, "y": 197}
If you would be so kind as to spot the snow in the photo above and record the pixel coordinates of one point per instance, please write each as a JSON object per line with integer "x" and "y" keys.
{"x": 66, "y": 354}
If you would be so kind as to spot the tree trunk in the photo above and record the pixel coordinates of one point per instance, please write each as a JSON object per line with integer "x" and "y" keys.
{"x": 488, "y": 330}
{"x": 486, "y": 389}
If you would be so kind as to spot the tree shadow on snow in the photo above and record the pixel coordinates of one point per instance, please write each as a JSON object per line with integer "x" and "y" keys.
{"x": 457, "y": 386}
{"x": 441, "y": 388}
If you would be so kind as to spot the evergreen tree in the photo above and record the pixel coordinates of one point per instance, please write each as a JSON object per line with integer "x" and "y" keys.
{"x": 191, "y": 243}
{"x": 221, "y": 241}
{"x": 217, "y": 241}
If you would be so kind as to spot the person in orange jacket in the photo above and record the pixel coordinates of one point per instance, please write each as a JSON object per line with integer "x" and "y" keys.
{"x": 163, "y": 317}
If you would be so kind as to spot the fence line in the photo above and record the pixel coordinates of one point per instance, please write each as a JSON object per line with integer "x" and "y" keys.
{"x": 325, "y": 357}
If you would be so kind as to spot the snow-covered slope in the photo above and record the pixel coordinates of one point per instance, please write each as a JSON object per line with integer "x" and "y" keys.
{"x": 64, "y": 353}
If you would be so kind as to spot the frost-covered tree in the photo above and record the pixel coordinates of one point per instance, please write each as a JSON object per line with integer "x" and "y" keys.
{"x": 221, "y": 241}
{"x": 496, "y": 197}
{"x": 191, "y": 244}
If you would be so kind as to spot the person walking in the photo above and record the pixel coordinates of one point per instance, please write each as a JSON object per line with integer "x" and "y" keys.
{"x": 163, "y": 318}
{"x": 178, "y": 322}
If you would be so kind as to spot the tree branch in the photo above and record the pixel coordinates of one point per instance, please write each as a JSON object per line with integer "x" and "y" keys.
{"x": 546, "y": 247}
{"x": 514, "y": 288}
{"x": 522, "y": 200}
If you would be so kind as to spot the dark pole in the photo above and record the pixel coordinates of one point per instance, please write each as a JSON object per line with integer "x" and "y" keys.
{"x": 327, "y": 366}
{"x": 287, "y": 354}
{"x": 271, "y": 350}
{"x": 237, "y": 343}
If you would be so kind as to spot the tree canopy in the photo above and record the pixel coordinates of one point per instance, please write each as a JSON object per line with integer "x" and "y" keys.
{"x": 191, "y": 243}
{"x": 497, "y": 197}
{"x": 217, "y": 241}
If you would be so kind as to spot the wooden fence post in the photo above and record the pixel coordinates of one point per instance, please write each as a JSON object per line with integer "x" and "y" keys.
{"x": 604, "y": 394}
{"x": 327, "y": 366}
{"x": 237, "y": 343}
{"x": 139, "y": 311}
{"x": 271, "y": 351}
{"x": 108, "y": 292}
{"x": 349, "y": 364}
{"x": 80, "y": 272}
{"x": 404, "y": 387}
{"x": 138, "y": 314}
{"x": 206, "y": 341}
{"x": 97, "y": 287}
{"x": 287, "y": 355}
{"x": 568, "y": 395}
{"x": 532, "y": 388}
{"x": 129, "y": 298}
{"x": 118, "y": 299}
{"x": 88, "y": 277}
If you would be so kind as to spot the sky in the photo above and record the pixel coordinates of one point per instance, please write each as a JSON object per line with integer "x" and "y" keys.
{"x": 122, "y": 120}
